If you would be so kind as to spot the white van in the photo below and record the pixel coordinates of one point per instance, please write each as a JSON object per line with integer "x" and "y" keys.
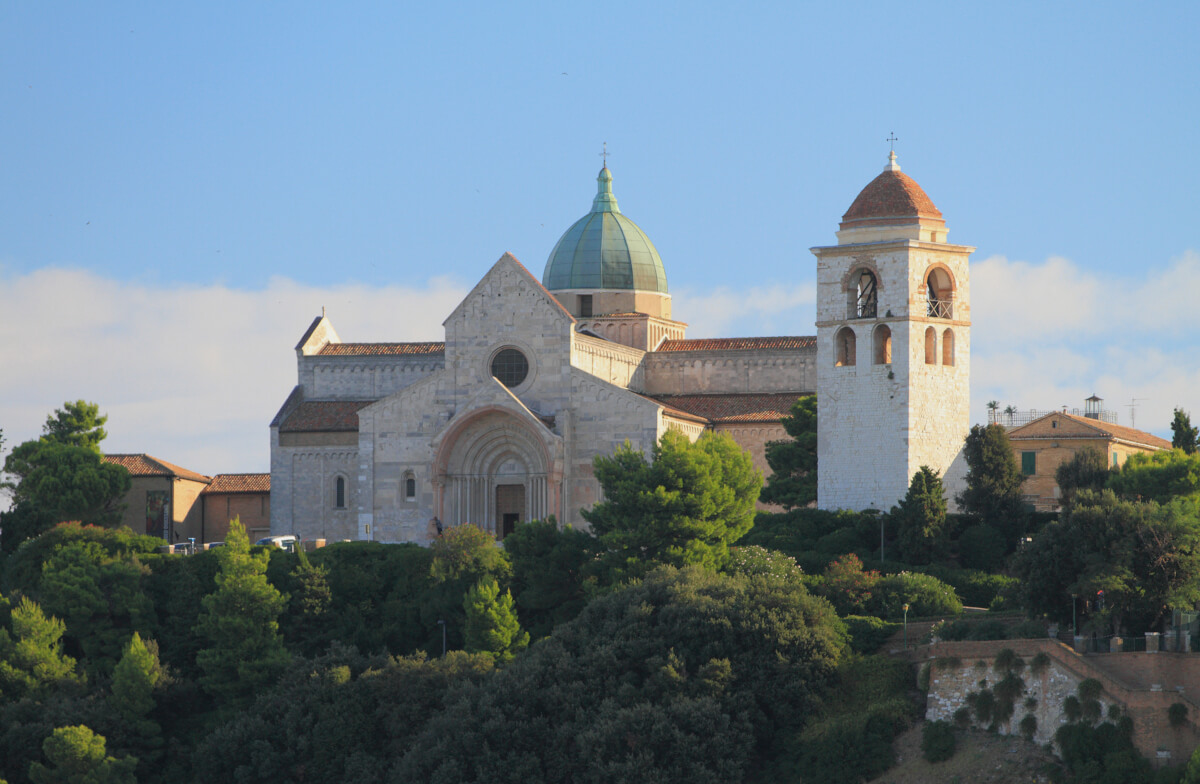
{"x": 287, "y": 542}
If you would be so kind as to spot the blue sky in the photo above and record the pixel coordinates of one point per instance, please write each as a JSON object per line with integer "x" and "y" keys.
{"x": 183, "y": 186}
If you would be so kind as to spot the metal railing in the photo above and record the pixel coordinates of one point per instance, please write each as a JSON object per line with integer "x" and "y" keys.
{"x": 1017, "y": 418}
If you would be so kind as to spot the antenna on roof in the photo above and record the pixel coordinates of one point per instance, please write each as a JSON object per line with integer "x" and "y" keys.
{"x": 1133, "y": 401}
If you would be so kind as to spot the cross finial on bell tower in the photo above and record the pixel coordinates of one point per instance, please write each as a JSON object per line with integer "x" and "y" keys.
{"x": 604, "y": 155}
{"x": 891, "y": 139}
{"x": 892, "y": 165}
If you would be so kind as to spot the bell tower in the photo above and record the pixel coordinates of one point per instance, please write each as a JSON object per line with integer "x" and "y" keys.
{"x": 893, "y": 348}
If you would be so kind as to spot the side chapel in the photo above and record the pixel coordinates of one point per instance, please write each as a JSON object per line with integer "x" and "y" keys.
{"x": 499, "y": 422}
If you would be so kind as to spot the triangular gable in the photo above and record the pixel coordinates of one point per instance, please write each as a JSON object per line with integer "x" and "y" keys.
{"x": 508, "y": 265}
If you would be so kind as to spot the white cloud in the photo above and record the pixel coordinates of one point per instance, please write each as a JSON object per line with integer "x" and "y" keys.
{"x": 1048, "y": 335}
{"x": 762, "y": 310}
{"x": 191, "y": 374}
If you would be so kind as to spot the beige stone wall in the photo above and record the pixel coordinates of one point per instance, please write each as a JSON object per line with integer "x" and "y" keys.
{"x": 611, "y": 301}
{"x": 717, "y": 372}
{"x": 615, "y": 363}
{"x": 187, "y": 512}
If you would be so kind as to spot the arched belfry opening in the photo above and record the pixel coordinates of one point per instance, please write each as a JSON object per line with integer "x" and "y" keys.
{"x": 495, "y": 470}
{"x": 939, "y": 293}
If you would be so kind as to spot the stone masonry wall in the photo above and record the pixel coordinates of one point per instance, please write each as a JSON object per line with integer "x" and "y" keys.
{"x": 1146, "y": 705}
{"x": 716, "y": 372}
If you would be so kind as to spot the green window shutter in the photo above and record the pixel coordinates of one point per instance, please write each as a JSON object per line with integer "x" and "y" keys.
{"x": 1029, "y": 463}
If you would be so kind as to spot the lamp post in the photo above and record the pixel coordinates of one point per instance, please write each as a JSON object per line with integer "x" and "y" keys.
{"x": 906, "y": 626}
{"x": 881, "y": 558}
{"x": 442, "y": 623}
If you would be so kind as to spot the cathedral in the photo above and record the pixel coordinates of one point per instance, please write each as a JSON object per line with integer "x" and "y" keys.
{"x": 499, "y": 423}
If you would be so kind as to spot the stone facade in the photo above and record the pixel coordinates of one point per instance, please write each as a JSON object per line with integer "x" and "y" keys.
{"x": 893, "y": 351}
{"x": 1143, "y": 686}
{"x": 418, "y": 432}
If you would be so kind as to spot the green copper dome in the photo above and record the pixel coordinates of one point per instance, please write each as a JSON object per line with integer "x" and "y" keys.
{"x": 605, "y": 250}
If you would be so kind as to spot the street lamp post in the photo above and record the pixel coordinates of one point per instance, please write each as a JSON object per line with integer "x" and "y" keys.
{"x": 1074, "y": 625}
{"x": 906, "y": 626}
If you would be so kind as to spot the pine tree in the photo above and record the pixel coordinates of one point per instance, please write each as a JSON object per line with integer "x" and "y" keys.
{"x": 240, "y": 620}
{"x": 308, "y": 608}
{"x": 492, "y": 625}
{"x": 79, "y": 756}
{"x": 920, "y": 518}
{"x": 134, "y": 680}
{"x": 793, "y": 462}
{"x": 1183, "y": 435}
{"x": 31, "y": 658}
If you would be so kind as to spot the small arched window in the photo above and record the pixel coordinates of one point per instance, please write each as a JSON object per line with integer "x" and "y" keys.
{"x": 866, "y": 296}
{"x": 948, "y": 347}
{"x": 939, "y": 293}
{"x": 883, "y": 345}
{"x": 845, "y": 346}
{"x": 339, "y": 492}
{"x": 930, "y": 346}
{"x": 410, "y": 486}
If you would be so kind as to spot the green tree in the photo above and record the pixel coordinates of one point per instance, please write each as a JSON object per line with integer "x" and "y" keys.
{"x": 994, "y": 479}
{"x": 548, "y": 566}
{"x": 1158, "y": 476}
{"x": 462, "y": 556}
{"x": 134, "y": 681}
{"x": 793, "y": 481}
{"x": 77, "y": 423}
{"x": 307, "y": 621}
{"x": 1143, "y": 555}
{"x": 31, "y": 657}
{"x": 685, "y": 676}
{"x": 62, "y": 482}
{"x": 685, "y": 507}
{"x": 920, "y": 519}
{"x": 1086, "y": 470}
{"x": 240, "y": 621}
{"x": 492, "y": 626}
{"x": 79, "y": 756}
{"x": 99, "y": 596}
{"x": 1183, "y": 435}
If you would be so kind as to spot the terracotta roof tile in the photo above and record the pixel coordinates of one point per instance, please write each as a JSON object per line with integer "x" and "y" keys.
{"x": 739, "y": 344}
{"x": 380, "y": 349}
{"x": 734, "y": 407}
{"x": 145, "y": 465}
{"x": 1104, "y": 429}
{"x": 313, "y": 416}
{"x": 1124, "y": 433}
{"x": 893, "y": 194}
{"x": 239, "y": 483}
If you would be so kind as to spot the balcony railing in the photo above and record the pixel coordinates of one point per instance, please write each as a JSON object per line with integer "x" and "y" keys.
{"x": 939, "y": 308}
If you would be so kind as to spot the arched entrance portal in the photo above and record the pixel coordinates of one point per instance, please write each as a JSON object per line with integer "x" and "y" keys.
{"x": 494, "y": 470}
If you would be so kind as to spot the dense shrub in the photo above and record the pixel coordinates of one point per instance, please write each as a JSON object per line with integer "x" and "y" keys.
{"x": 938, "y": 741}
{"x": 975, "y": 588}
{"x": 1177, "y": 714}
{"x": 868, "y": 633}
{"x": 687, "y": 672}
{"x": 925, "y": 595}
{"x": 851, "y": 740}
{"x": 981, "y": 547}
